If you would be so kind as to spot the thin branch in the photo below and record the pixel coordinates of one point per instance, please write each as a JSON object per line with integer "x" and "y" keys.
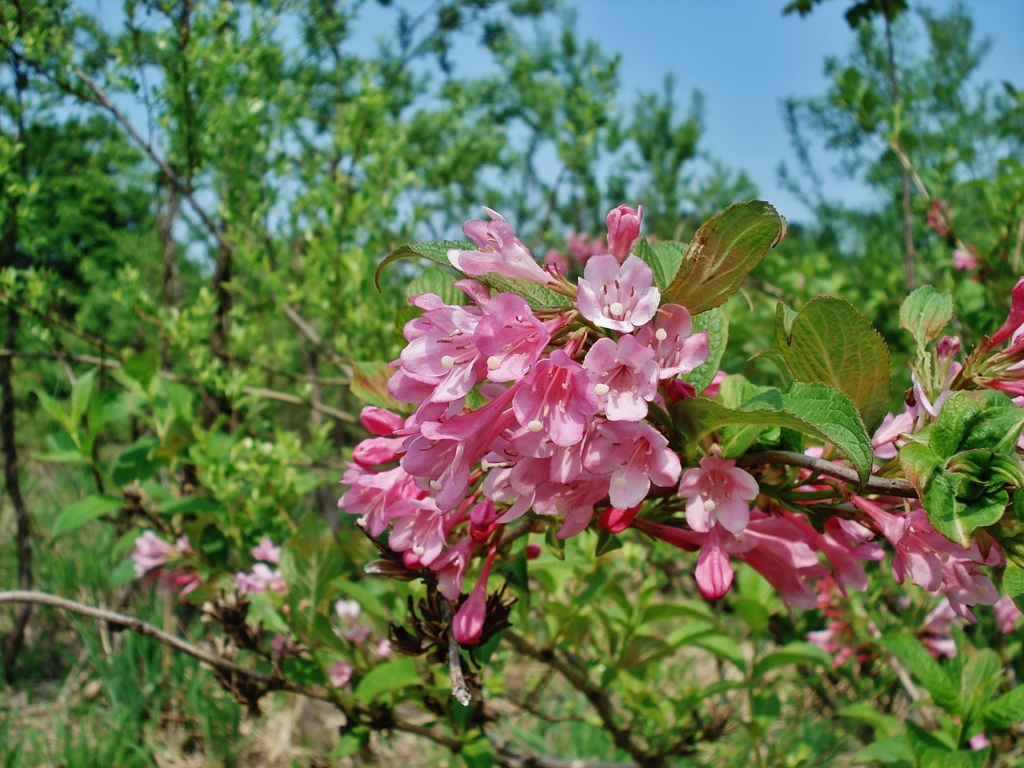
{"x": 886, "y": 486}
{"x": 460, "y": 691}
{"x": 507, "y": 756}
{"x": 133, "y": 624}
{"x": 101, "y": 98}
{"x": 597, "y": 698}
{"x": 310, "y": 334}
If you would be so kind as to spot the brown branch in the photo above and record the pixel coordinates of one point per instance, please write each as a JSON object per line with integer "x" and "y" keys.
{"x": 460, "y": 691}
{"x": 9, "y": 233}
{"x": 910, "y": 252}
{"x": 885, "y": 486}
{"x": 101, "y": 99}
{"x": 133, "y": 624}
{"x": 598, "y": 698}
{"x": 509, "y": 757}
{"x": 310, "y": 334}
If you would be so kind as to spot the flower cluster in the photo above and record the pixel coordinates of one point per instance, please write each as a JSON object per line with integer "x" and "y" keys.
{"x": 563, "y": 408}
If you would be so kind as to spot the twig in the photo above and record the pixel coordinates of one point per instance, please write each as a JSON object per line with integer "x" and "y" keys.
{"x": 886, "y": 486}
{"x": 459, "y": 688}
{"x": 597, "y": 698}
{"x": 508, "y": 757}
{"x": 133, "y": 624}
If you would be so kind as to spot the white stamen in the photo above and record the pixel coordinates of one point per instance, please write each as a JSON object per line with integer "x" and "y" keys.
{"x": 418, "y": 550}
{"x": 361, "y": 522}
{"x": 709, "y": 505}
{"x": 601, "y": 389}
{"x": 447, "y": 362}
{"x": 615, "y": 308}
{"x": 435, "y": 484}
{"x": 493, "y": 362}
{"x": 619, "y": 483}
{"x": 661, "y": 334}
{"x": 535, "y": 426}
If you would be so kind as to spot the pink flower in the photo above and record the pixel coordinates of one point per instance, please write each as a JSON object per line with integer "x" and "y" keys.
{"x": 714, "y": 574}
{"x": 1007, "y": 614}
{"x": 501, "y": 252}
{"x": 373, "y": 494}
{"x": 846, "y": 544}
{"x": 441, "y": 351}
{"x": 556, "y": 398}
{"x": 418, "y": 531}
{"x": 633, "y": 455}
{"x": 451, "y": 568}
{"x": 260, "y": 579}
{"x": 716, "y": 382}
{"x": 623, "y": 229}
{"x": 511, "y": 337}
{"x": 151, "y": 552}
{"x": 446, "y": 452}
{"x": 339, "y": 673}
{"x": 375, "y": 451}
{"x": 886, "y": 434}
{"x": 468, "y": 624}
{"x": 615, "y": 520}
{"x": 625, "y": 377}
{"x": 676, "y": 348}
{"x": 575, "y": 500}
{"x": 348, "y": 610}
{"x": 965, "y": 261}
{"x": 1014, "y": 320}
{"x": 380, "y": 421}
{"x": 617, "y": 296}
{"x": 583, "y": 247}
{"x": 718, "y": 492}
{"x": 267, "y": 552}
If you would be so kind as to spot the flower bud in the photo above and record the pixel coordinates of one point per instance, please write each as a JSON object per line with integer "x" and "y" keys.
{"x": 623, "y": 230}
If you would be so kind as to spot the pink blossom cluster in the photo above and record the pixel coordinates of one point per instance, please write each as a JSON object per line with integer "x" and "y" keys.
{"x": 262, "y": 577}
{"x": 563, "y": 396}
{"x": 150, "y": 556}
{"x": 560, "y": 411}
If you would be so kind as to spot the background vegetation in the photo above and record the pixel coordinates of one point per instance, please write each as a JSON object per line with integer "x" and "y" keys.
{"x": 193, "y": 202}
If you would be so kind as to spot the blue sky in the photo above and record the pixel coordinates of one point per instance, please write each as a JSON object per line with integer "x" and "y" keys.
{"x": 746, "y": 57}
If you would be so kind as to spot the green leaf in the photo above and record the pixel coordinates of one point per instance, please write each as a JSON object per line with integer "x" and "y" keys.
{"x": 663, "y": 259}
{"x": 1013, "y": 583}
{"x": 81, "y": 394}
{"x": 892, "y": 751}
{"x": 643, "y": 649}
{"x": 310, "y": 563}
{"x": 1008, "y": 710}
{"x": 81, "y": 512}
{"x": 537, "y": 296}
{"x": 979, "y": 680}
{"x": 812, "y": 409}
{"x": 440, "y": 282}
{"x": 792, "y": 653}
{"x": 722, "y": 646}
{"x": 722, "y": 253}
{"x": 135, "y": 462}
{"x": 189, "y": 505}
{"x": 830, "y": 341}
{"x": 716, "y": 323}
{"x": 924, "y": 313}
{"x": 923, "y": 666}
{"x": 976, "y": 419}
{"x": 477, "y": 753}
{"x": 435, "y": 251}
{"x": 385, "y": 678}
